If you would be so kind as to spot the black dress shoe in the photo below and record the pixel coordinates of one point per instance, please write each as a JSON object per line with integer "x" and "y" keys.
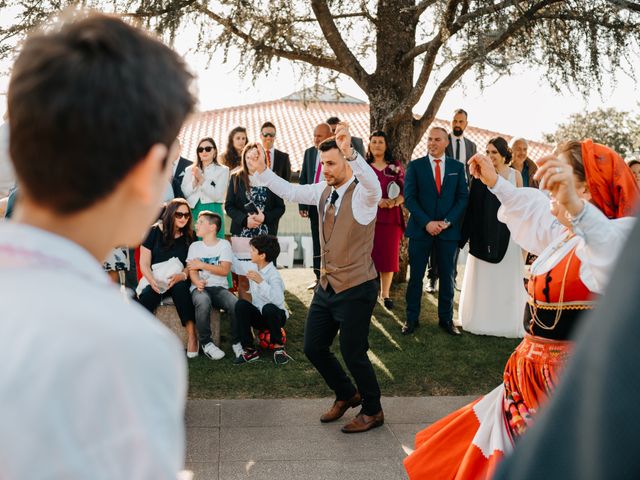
{"x": 388, "y": 303}
{"x": 451, "y": 329}
{"x": 408, "y": 329}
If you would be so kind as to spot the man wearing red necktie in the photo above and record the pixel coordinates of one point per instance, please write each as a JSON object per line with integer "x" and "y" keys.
{"x": 276, "y": 160}
{"x": 436, "y": 195}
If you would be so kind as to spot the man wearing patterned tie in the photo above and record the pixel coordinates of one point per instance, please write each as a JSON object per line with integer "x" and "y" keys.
{"x": 347, "y": 201}
{"x": 436, "y": 195}
{"x": 312, "y": 173}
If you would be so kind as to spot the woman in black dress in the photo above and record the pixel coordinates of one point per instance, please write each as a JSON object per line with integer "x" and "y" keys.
{"x": 169, "y": 238}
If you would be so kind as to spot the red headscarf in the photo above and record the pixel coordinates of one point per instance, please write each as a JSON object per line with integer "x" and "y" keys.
{"x": 611, "y": 183}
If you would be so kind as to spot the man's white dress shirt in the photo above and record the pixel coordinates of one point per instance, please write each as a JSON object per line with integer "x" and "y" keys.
{"x": 364, "y": 203}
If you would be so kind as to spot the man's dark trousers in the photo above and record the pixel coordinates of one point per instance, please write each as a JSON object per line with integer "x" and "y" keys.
{"x": 349, "y": 312}
{"x": 419, "y": 252}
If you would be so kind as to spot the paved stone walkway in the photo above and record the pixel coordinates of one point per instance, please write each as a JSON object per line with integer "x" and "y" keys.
{"x": 284, "y": 439}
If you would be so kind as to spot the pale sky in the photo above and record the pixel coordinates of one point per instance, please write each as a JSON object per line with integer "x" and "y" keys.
{"x": 520, "y": 105}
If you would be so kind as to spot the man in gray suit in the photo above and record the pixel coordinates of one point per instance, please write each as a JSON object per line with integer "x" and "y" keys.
{"x": 462, "y": 149}
{"x": 356, "y": 142}
{"x": 312, "y": 173}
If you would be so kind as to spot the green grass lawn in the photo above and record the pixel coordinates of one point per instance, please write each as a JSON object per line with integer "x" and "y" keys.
{"x": 429, "y": 362}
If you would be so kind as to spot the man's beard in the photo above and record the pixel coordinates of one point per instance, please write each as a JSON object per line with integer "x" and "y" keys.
{"x": 457, "y": 131}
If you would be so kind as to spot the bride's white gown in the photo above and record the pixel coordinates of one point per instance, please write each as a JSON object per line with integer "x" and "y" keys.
{"x": 493, "y": 296}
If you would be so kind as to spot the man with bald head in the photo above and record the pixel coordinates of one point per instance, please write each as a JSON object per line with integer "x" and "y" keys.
{"x": 436, "y": 195}
{"x": 312, "y": 173}
{"x": 522, "y": 162}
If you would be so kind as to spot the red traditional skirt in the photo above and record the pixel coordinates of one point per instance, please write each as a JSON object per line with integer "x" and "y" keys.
{"x": 470, "y": 442}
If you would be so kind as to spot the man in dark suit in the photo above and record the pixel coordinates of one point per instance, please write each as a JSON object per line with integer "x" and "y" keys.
{"x": 312, "y": 173}
{"x": 180, "y": 164}
{"x": 276, "y": 160}
{"x": 462, "y": 149}
{"x": 436, "y": 195}
{"x": 356, "y": 142}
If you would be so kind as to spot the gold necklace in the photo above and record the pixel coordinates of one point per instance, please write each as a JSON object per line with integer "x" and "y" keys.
{"x": 533, "y": 308}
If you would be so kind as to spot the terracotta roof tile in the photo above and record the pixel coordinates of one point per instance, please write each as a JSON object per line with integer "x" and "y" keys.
{"x": 295, "y": 121}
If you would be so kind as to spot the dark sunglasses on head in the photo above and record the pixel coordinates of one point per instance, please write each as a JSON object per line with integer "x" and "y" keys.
{"x": 182, "y": 215}
{"x": 268, "y": 134}
{"x": 204, "y": 149}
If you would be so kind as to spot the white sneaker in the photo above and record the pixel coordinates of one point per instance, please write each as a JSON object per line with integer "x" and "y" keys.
{"x": 237, "y": 349}
{"x": 213, "y": 352}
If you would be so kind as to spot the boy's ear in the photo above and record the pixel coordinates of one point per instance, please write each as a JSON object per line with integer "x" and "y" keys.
{"x": 148, "y": 179}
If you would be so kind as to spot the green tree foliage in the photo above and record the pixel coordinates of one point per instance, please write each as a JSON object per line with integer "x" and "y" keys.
{"x": 616, "y": 129}
{"x": 397, "y": 51}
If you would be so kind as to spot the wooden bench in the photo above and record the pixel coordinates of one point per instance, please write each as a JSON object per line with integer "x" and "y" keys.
{"x": 168, "y": 315}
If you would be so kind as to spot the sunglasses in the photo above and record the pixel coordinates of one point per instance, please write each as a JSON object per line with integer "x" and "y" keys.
{"x": 268, "y": 134}
{"x": 204, "y": 149}
{"x": 182, "y": 215}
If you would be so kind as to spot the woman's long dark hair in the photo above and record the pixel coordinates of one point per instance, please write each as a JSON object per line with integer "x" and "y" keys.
{"x": 503, "y": 148}
{"x": 242, "y": 173}
{"x": 231, "y": 157}
{"x": 215, "y": 153}
{"x": 387, "y": 152}
{"x": 168, "y": 220}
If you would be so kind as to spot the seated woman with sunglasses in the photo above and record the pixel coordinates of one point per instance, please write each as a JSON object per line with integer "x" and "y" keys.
{"x": 205, "y": 183}
{"x": 170, "y": 238}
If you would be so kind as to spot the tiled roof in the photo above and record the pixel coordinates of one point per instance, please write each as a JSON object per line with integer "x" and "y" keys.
{"x": 295, "y": 121}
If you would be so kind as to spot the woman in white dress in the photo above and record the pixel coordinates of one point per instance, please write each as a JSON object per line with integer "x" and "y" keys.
{"x": 493, "y": 295}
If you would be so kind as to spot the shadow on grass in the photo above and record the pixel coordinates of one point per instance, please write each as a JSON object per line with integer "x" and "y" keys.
{"x": 430, "y": 362}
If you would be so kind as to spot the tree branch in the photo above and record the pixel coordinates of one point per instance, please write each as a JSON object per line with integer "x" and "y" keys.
{"x": 295, "y": 55}
{"x": 565, "y": 17}
{"x": 480, "y": 51}
{"x": 421, "y": 7}
{"x": 340, "y": 15}
{"x": 342, "y": 52}
{"x": 624, "y": 4}
{"x": 431, "y": 48}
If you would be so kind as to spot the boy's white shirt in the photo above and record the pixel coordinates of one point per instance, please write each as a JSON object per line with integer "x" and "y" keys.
{"x": 270, "y": 290}
{"x": 92, "y": 386}
{"x": 211, "y": 255}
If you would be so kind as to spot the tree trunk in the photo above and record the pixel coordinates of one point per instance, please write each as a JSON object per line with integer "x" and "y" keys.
{"x": 390, "y": 85}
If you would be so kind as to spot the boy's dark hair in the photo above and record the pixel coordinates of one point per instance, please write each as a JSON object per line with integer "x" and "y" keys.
{"x": 328, "y": 144}
{"x": 267, "y": 244}
{"x": 212, "y": 217}
{"x": 267, "y": 125}
{"x": 85, "y": 106}
{"x": 333, "y": 121}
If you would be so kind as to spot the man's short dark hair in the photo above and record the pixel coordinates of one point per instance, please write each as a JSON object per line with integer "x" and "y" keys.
{"x": 86, "y": 105}
{"x": 328, "y": 144}
{"x": 460, "y": 110}
{"x": 212, "y": 217}
{"x": 267, "y": 125}
{"x": 333, "y": 121}
{"x": 267, "y": 244}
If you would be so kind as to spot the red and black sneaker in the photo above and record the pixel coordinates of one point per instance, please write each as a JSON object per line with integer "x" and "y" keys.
{"x": 247, "y": 356}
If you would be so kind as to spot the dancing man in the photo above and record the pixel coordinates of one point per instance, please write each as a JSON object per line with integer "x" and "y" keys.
{"x": 348, "y": 286}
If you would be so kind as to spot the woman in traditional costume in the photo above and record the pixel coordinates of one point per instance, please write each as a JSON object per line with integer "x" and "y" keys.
{"x": 593, "y": 195}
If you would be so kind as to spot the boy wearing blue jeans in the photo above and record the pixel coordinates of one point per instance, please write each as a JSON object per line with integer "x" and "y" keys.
{"x": 267, "y": 310}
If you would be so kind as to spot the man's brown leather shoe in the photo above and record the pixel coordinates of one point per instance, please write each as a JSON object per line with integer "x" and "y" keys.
{"x": 363, "y": 422}
{"x": 340, "y": 407}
